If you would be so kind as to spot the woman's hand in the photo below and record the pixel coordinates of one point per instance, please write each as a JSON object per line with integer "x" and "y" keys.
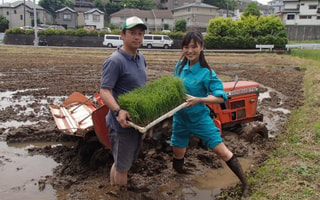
{"x": 193, "y": 101}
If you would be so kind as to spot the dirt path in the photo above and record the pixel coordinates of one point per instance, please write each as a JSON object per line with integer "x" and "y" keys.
{"x": 48, "y": 74}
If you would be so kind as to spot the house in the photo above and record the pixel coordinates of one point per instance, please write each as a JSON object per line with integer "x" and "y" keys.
{"x": 171, "y": 4}
{"x": 197, "y": 15}
{"x": 154, "y": 19}
{"x": 301, "y": 12}
{"x": 277, "y": 6}
{"x": 67, "y": 17}
{"x": 94, "y": 19}
{"x": 20, "y": 13}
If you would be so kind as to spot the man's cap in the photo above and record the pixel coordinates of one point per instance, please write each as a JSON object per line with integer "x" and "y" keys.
{"x": 132, "y": 22}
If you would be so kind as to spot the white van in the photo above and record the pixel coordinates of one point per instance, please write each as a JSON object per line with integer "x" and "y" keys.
{"x": 162, "y": 41}
{"x": 112, "y": 40}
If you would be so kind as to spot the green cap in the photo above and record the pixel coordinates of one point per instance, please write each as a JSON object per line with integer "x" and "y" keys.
{"x": 132, "y": 22}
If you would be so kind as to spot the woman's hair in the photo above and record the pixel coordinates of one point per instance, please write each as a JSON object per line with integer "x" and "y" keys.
{"x": 198, "y": 39}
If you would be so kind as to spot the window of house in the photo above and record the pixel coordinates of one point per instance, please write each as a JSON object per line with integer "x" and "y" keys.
{"x": 7, "y": 12}
{"x": 162, "y": 20}
{"x": 86, "y": 16}
{"x": 312, "y": 7}
{"x": 189, "y": 9}
{"x": 175, "y": 2}
{"x": 318, "y": 17}
{"x": 21, "y": 17}
{"x": 290, "y": 17}
{"x": 145, "y": 19}
{"x": 67, "y": 17}
{"x": 96, "y": 18}
{"x": 302, "y": 4}
{"x": 14, "y": 11}
{"x": 305, "y": 16}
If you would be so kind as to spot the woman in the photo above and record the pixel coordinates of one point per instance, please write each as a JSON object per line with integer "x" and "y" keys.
{"x": 204, "y": 86}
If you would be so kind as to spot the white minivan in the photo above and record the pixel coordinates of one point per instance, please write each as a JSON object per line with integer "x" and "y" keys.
{"x": 112, "y": 40}
{"x": 162, "y": 41}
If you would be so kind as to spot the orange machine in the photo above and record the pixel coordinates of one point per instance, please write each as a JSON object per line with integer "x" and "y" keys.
{"x": 241, "y": 106}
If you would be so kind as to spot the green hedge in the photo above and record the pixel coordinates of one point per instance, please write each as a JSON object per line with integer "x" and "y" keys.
{"x": 75, "y": 32}
{"x": 224, "y": 33}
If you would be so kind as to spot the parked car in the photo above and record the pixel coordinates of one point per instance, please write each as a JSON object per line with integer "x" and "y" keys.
{"x": 43, "y": 26}
{"x": 162, "y": 41}
{"x": 112, "y": 40}
{"x": 56, "y": 27}
{"x": 165, "y": 31}
{"x": 106, "y": 29}
{"x": 26, "y": 27}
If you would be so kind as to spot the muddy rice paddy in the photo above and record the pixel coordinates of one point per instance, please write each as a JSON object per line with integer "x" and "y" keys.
{"x": 37, "y": 161}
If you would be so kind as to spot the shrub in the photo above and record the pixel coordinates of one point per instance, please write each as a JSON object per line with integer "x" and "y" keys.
{"x": 146, "y": 104}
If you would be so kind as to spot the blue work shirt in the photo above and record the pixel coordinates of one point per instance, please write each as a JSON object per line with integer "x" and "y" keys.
{"x": 122, "y": 73}
{"x": 198, "y": 82}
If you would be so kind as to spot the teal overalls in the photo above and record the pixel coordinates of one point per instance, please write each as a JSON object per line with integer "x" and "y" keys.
{"x": 196, "y": 120}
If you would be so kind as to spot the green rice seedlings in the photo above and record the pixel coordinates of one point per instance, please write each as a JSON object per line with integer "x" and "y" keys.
{"x": 146, "y": 104}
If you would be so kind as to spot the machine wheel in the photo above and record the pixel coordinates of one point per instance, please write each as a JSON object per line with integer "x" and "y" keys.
{"x": 87, "y": 149}
{"x": 149, "y": 46}
{"x": 99, "y": 158}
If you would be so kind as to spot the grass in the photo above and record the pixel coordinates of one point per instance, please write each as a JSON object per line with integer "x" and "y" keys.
{"x": 293, "y": 169}
{"x": 306, "y": 53}
{"x": 303, "y": 41}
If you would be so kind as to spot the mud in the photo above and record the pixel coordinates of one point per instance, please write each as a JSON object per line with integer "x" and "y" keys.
{"x": 37, "y": 78}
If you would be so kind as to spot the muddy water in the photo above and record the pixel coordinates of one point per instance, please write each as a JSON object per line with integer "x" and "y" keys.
{"x": 20, "y": 173}
{"x": 208, "y": 185}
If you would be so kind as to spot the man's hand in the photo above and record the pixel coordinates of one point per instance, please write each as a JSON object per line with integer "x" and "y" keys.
{"x": 122, "y": 118}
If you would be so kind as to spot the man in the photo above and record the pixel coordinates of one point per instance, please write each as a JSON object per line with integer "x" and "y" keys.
{"x": 122, "y": 72}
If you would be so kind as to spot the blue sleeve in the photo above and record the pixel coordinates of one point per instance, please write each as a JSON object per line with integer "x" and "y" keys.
{"x": 215, "y": 86}
{"x": 110, "y": 73}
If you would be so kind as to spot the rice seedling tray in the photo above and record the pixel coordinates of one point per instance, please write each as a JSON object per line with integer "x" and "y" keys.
{"x": 158, "y": 120}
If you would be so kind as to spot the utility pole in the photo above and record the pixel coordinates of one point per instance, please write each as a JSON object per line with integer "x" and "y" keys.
{"x": 227, "y": 10}
{"x": 24, "y": 12}
{"x": 36, "y": 39}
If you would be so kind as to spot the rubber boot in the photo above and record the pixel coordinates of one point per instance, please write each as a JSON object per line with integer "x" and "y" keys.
{"x": 177, "y": 164}
{"x": 235, "y": 166}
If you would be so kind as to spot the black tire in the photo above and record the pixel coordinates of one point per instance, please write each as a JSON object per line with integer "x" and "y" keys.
{"x": 99, "y": 158}
{"x": 149, "y": 46}
{"x": 109, "y": 45}
{"x": 166, "y": 46}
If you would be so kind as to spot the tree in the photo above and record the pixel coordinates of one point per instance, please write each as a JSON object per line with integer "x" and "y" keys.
{"x": 53, "y": 5}
{"x": 222, "y": 27}
{"x": 4, "y": 23}
{"x": 140, "y": 4}
{"x": 252, "y": 9}
{"x": 180, "y": 25}
{"x": 223, "y": 4}
{"x": 108, "y": 8}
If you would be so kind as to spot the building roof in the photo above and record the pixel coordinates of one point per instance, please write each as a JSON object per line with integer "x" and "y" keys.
{"x": 128, "y": 12}
{"x": 94, "y": 10}
{"x": 196, "y": 4}
{"x": 19, "y": 3}
{"x": 66, "y": 8}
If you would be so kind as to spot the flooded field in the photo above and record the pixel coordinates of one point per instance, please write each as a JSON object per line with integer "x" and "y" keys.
{"x": 39, "y": 162}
